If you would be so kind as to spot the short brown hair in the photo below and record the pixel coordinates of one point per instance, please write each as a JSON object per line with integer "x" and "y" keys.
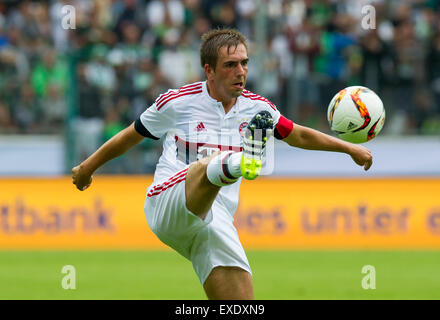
{"x": 213, "y": 40}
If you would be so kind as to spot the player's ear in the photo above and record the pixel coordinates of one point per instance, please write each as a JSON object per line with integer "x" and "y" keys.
{"x": 209, "y": 71}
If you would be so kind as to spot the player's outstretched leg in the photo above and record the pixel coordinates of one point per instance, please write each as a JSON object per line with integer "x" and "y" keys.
{"x": 227, "y": 167}
{"x": 206, "y": 176}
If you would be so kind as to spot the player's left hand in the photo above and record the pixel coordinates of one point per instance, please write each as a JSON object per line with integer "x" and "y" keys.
{"x": 362, "y": 156}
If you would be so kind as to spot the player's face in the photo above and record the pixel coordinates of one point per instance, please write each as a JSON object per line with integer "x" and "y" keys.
{"x": 231, "y": 71}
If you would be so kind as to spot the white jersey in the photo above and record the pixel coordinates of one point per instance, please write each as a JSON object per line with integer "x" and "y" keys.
{"x": 196, "y": 125}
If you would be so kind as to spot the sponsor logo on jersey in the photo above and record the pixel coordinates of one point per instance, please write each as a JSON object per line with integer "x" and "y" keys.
{"x": 200, "y": 127}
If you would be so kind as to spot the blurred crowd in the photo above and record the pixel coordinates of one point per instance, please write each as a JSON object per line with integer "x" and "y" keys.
{"x": 122, "y": 54}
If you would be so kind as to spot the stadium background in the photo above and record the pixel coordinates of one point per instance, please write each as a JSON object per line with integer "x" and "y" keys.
{"x": 308, "y": 229}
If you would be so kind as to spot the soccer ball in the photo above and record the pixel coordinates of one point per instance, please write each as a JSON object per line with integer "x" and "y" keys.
{"x": 356, "y": 114}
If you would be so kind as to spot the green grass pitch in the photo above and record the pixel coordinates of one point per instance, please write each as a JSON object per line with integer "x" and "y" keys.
{"x": 166, "y": 275}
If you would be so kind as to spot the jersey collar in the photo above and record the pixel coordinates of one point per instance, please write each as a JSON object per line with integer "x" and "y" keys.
{"x": 205, "y": 92}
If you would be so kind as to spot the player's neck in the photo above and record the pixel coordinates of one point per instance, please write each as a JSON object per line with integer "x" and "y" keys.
{"x": 227, "y": 102}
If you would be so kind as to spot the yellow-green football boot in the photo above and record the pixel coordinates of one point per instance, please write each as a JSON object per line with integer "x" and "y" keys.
{"x": 257, "y": 133}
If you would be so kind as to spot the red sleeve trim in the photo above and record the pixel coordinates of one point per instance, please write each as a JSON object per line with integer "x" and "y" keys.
{"x": 283, "y": 128}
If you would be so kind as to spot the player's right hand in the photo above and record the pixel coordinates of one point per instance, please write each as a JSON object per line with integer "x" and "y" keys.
{"x": 81, "y": 179}
{"x": 361, "y": 155}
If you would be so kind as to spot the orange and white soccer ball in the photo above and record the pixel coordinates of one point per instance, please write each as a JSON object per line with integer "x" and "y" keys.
{"x": 356, "y": 114}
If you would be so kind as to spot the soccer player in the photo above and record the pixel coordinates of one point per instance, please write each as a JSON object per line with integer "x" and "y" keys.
{"x": 216, "y": 134}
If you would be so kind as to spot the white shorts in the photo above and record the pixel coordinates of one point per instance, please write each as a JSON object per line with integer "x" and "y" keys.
{"x": 206, "y": 243}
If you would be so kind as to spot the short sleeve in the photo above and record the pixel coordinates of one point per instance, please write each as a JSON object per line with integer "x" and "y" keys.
{"x": 158, "y": 121}
{"x": 271, "y": 108}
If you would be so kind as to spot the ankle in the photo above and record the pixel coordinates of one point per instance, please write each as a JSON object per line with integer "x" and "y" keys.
{"x": 222, "y": 169}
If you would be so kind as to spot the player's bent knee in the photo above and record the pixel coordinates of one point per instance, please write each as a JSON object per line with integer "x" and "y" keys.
{"x": 197, "y": 170}
{"x": 229, "y": 283}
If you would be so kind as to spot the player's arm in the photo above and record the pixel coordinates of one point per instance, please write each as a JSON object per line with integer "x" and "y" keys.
{"x": 114, "y": 147}
{"x": 307, "y": 138}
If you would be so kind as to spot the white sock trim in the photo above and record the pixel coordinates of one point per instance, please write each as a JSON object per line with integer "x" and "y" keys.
{"x": 222, "y": 170}
{"x": 234, "y": 164}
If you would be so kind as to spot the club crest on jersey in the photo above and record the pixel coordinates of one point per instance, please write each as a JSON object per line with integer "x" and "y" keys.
{"x": 242, "y": 127}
